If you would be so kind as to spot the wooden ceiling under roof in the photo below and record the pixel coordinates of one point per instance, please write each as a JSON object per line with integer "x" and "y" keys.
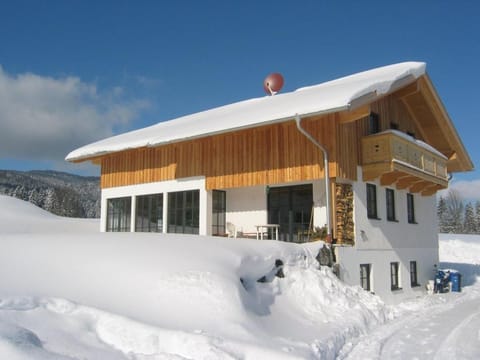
{"x": 436, "y": 127}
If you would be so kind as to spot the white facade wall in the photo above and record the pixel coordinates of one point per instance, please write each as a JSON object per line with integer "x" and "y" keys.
{"x": 319, "y": 203}
{"x": 380, "y": 242}
{"x": 351, "y": 258}
{"x": 247, "y": 207}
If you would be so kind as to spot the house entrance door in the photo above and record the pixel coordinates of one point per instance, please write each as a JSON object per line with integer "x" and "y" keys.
{"x": 290, "y": 207}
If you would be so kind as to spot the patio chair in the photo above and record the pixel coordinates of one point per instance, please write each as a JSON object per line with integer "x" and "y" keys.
{"x": 231, "y": 230}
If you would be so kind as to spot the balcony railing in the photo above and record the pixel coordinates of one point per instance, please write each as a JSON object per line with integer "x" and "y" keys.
{"x": 397, "y": 158}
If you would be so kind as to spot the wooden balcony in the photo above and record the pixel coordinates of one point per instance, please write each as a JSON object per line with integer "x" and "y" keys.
{"x": 400, "y": 160}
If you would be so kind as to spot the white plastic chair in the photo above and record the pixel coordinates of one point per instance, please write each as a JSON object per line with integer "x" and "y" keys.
{"x": 231, "y": 230}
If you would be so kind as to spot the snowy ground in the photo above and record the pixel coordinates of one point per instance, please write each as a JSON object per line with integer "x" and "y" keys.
{"x": 69, "y": 292}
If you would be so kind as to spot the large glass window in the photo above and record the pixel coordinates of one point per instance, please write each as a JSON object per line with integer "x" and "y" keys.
{"x": 411, "y": 209}
{"x": 219, "y": 208}
{"x": 394, "y": 276}
{"x": 149, "y": 213}
{"x": 413, "y": 274}
{"x": 365, "y": 276}
{"x": 372, "y": 201}
{"x": 118, "y": 214}
{"x": 184, "y": 212}
{"x": 390, "y": 197}
{"x": 291, "y": 208}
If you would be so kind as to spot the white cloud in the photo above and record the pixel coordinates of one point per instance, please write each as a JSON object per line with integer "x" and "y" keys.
{"x": 44, "y": 118}
{"x": 469, "y": 190}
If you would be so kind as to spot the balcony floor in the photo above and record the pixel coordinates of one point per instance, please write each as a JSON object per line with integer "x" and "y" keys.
{"x": 404, "y": 176}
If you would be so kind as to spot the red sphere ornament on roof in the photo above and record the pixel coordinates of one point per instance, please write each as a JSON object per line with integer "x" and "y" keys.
{"x": 273, "y": 83}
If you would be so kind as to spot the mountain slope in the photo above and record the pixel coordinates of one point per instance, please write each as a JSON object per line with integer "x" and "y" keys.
{"x": 58, "y": 192}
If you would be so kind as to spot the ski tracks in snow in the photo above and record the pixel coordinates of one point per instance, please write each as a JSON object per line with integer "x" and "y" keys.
{"x": 440, "y": 332}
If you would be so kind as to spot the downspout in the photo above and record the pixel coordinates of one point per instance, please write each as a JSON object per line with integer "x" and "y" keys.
{"x": 327, "y": 172}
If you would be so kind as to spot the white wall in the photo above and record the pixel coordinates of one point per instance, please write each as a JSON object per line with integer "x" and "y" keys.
{"x": 319, "y": 203}
{"x": 384, "y": 234}
{"x": 380, "y": 260}
{"x": 193, "y": 183}
{"x": 247, "y": 207}
{"x": 379, "y": 242}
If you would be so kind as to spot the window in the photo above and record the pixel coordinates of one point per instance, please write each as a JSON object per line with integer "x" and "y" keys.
{"x": 394, "y": 276}
{"x": 373, "y": 123}
{"x": 394, "y": 126}
{"x": 413, "y": 274}
{"x": 411, "y": 209}
{"x": 218, "y": 212}
{"x": 390, "y": 197}
{"x": 372, "y": 201}
{"x": 118, "y": 214}
{"x": 149, "y": 213}
{"x": 365, "y": 276}
{"x": 184, "y": 212}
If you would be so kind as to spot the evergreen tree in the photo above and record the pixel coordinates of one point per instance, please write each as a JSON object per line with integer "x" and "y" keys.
{"x": 454, "y": 217}
{"x": 477, "y": 217}
{"x": 442, "y": 214}
{"x": 469, "y": 225}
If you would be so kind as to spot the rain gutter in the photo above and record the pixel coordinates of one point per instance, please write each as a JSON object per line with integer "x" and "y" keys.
{"x": 298, "y": 120}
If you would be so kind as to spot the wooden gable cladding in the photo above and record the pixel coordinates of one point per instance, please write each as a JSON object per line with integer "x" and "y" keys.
{"x": 347, "y": 150}
{"x": 436, "y": 127}
{"x": 391, "y": 111}
{"x": 264, "y": 155}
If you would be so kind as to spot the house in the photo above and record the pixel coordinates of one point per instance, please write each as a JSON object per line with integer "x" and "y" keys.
{"x": 363, "y": 155}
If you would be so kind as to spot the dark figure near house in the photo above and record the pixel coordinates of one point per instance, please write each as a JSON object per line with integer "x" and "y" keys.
{"x": 324, "y": 256}
{"x": 277, "y": 271}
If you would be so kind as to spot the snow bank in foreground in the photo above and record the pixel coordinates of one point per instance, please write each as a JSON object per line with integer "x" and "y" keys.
{"x": 155, "y": 296}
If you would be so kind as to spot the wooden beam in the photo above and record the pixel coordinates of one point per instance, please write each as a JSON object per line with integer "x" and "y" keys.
{"x": 406, "y": 182}
{"x": 430, "y": 190}
{"x": 353, "y": 115}
{"x": 445, "y": 123}
{"x": 407, "y": 90}
{"x": 419, "y": 186}
{"x": 390, "y": 178}
{"x": 414, "y": 117}
{"x": 373, "y": 171}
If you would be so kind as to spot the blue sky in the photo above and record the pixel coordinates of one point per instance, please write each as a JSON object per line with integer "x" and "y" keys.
{"x": 72, "y": 72}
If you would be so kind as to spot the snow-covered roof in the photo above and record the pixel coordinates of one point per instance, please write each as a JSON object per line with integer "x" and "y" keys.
{"x": 341, "y": 94}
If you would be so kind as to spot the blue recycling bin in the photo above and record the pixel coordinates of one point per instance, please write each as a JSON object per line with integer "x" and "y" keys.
{"x": 456, "y": 280}
{"x": 441, "y": 281}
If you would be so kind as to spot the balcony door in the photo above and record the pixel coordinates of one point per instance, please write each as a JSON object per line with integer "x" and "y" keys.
{"x": 291, "y": 208}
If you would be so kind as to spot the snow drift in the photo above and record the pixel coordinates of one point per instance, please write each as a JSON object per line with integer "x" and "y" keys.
{"x": 176, "y": 295}
{"x": 70, "y": 292}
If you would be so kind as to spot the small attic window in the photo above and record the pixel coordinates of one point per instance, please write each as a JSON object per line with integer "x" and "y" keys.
{"x": 373, "y": 123}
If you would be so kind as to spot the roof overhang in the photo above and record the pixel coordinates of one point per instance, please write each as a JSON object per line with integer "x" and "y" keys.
{"x": 434, "y": 123}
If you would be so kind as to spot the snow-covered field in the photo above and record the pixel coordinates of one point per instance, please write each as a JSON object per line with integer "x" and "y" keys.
{"x": 70, "y": 292}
